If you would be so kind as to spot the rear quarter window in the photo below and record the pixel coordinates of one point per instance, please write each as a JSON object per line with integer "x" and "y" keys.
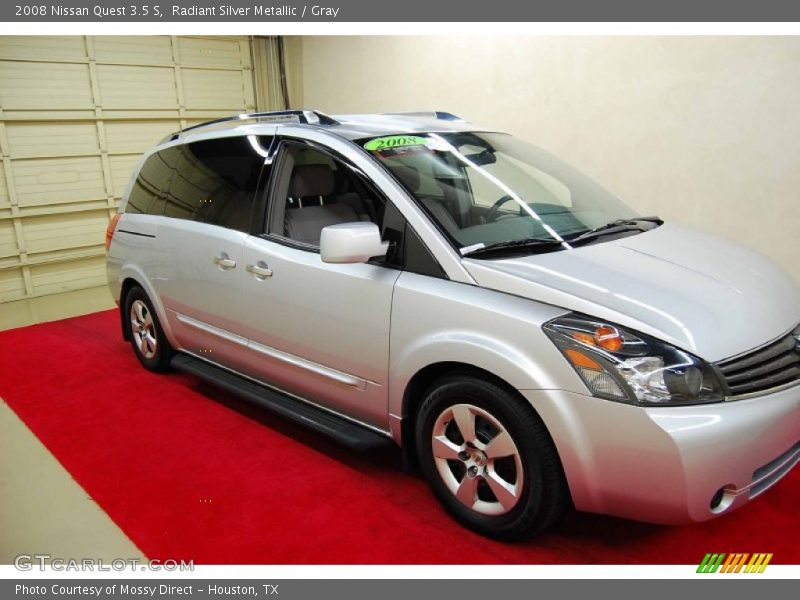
{"x": 149, "y": 191}
{"x": 215, "y": 181}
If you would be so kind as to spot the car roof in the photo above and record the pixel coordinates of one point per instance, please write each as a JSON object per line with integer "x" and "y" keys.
{"x": 348, "y": 126}
{"x": 372, "y": 125}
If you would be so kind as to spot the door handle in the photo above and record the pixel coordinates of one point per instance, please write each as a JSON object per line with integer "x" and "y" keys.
{"x": 260, "y": 270}
{"x": 224, "y": 263}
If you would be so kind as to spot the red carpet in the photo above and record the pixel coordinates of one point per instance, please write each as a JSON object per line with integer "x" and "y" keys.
{"x": 189, "y": 473}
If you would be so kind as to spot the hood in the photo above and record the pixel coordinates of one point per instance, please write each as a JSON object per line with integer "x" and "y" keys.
{"x": 705, "y": 295}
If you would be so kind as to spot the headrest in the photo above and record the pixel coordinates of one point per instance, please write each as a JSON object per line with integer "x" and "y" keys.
{"x": 408, "y": 175}
{"x": 311, "y": 180}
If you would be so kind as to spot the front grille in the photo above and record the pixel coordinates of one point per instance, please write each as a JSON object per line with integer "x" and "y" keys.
{"x": 772, "y": 366}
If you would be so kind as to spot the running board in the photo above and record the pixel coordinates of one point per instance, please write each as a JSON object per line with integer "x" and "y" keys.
{"x": 333, "y": 426}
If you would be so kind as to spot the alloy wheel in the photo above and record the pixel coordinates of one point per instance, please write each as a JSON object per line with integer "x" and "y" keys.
{"x": 143, "y": 329}
{"x": 477, "y": 459}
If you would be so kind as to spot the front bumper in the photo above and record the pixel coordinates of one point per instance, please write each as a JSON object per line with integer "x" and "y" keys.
{"x": 667, "y": 464}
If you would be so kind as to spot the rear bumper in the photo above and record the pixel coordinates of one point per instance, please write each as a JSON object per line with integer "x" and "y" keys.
{"x": 665, "y": 465}
{"x": 113, "y": 276}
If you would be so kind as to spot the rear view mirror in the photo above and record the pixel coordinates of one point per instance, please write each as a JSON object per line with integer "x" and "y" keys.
{"x": 483, "y": 158}
{"x": 477, "y": 155}
{"x": 351, "y": 243}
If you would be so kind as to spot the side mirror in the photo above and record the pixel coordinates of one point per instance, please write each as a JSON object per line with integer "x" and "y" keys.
{"x": 351, "y": 243}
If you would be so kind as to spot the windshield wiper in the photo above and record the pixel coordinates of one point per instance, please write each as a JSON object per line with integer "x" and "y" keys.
{"x": 526, "y": 244}
{"x": 618, "y": 226}
{"x": 550, "y": 244}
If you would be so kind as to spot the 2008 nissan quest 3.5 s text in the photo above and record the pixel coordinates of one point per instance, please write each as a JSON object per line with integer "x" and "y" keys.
{"x": 526, "y": 338}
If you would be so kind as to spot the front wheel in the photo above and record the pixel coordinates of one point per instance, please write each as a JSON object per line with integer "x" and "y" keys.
{"x": 489, "y": 459}
{"x": 144, "y": 331}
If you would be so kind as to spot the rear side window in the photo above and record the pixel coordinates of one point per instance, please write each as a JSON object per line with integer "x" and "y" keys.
{"x": 215, "y": 181}
{"x": 149, "y": 192}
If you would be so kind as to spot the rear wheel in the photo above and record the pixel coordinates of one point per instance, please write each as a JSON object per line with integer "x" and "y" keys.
{"x": 145, "y": 333}
{"x": 489, "y": 458}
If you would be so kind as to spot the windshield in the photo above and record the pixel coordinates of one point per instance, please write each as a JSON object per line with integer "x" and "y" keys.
{"x": 489, "y": 188}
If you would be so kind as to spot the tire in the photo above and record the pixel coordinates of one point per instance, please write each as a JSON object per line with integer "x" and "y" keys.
{"x": 144, "y": 331}
{"x": 507, "y": 471}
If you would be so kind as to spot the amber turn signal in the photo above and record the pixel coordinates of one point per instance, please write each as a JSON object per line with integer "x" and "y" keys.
{"x": 608, "y": 338}
{"x": 579, "y": 359}
{"x": 605, "y": 336}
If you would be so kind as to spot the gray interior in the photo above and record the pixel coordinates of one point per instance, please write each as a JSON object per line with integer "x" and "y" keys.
{"x": 317, "y": 198}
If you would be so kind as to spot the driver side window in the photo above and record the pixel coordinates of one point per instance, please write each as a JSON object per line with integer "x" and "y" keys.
{"x": 315, "y": 190}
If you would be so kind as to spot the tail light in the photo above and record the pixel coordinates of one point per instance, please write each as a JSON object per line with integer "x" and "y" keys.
{"x": 112, "y": 226}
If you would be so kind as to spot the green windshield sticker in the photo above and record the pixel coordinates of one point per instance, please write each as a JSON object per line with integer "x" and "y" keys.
{"x": 394, "y": 141}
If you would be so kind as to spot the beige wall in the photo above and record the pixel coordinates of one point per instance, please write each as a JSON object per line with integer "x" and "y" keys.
{"x": 294, "y": 70}
{"x": 704, "y": 131}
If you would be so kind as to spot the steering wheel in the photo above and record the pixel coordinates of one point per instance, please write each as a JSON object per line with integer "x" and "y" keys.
{"x": 493, "y": 214}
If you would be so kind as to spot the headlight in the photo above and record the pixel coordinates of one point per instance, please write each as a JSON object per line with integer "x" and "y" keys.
{"x": 635, "y": 368}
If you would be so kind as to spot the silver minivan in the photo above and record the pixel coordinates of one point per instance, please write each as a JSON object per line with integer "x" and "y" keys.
{"x": 530, "y": 342}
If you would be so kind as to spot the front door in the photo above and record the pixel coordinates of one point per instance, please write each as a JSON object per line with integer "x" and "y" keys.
{"x": 317, "y": 330}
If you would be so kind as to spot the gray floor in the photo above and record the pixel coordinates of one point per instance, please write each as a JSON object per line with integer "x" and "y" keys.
{"x": 42, "y": 509}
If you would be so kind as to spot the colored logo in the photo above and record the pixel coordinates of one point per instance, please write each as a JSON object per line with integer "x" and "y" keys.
{"x": 734, "y": 563}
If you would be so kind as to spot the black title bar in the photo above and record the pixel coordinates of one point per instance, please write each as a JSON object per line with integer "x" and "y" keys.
{"x": 254, "y": 11}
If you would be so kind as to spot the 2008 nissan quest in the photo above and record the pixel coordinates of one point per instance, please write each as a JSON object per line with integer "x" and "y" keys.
{"x": 527, "y": 339}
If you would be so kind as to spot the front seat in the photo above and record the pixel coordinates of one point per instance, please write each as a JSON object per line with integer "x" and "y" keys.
{"x": 310, "y": 184}
{"x": 410, "y": 177}
{"x": 305, "y": 223}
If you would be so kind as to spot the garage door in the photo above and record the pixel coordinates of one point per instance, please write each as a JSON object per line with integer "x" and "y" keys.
{"x": 75, "y": 114}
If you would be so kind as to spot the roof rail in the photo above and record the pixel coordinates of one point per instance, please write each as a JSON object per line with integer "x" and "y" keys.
{"x": 433, "y": 114}
{"x": 306, "y": 117}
